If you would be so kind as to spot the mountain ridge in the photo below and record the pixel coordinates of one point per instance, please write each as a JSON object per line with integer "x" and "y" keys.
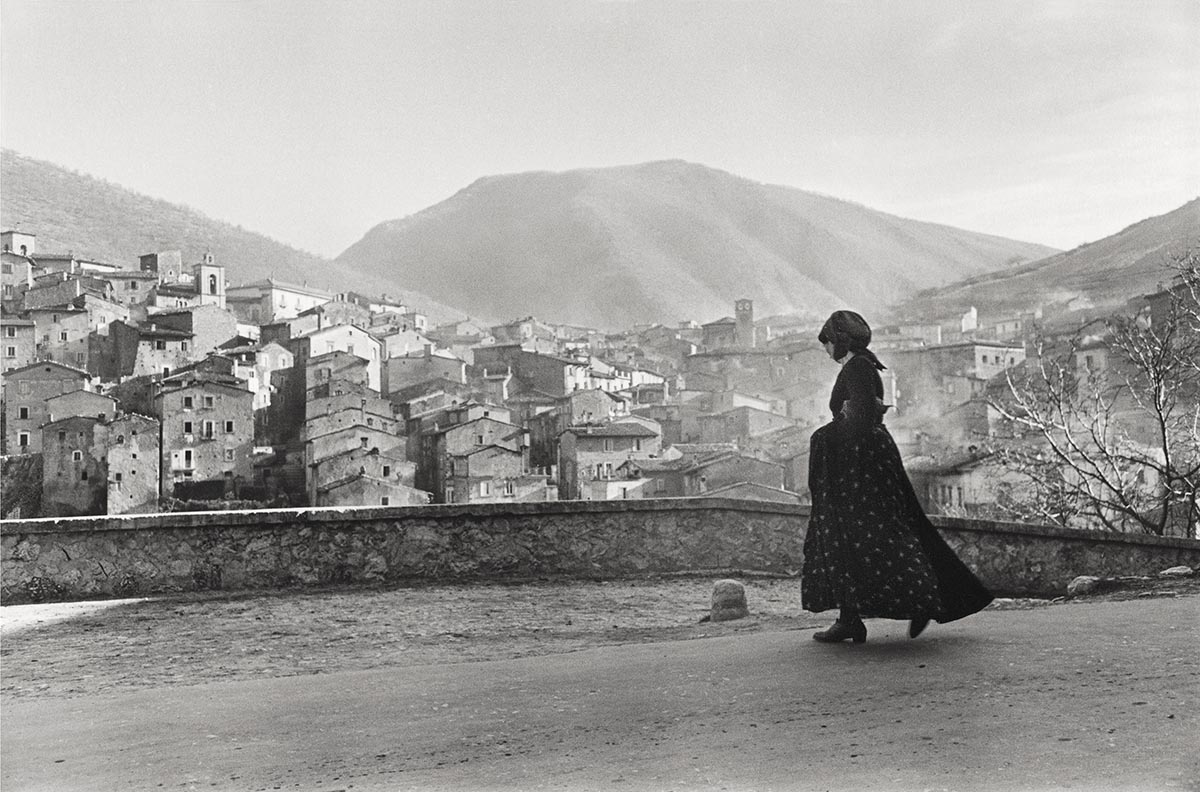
{"x": 664, "y": 241}
{"x": 94, "y": 218}
{"x": 1105, "y": 272}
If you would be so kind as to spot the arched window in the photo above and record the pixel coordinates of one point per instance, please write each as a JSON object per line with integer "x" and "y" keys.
{"x": 212, "y": 284}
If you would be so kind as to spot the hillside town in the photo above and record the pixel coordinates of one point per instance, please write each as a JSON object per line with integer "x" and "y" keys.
{"x": 158, "y": 385}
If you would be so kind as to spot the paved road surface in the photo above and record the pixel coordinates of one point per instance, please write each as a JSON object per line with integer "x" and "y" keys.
{"x": 1094, "y": 696}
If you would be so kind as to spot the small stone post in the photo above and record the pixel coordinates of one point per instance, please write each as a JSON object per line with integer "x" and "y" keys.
{"x": 728, "y": 601}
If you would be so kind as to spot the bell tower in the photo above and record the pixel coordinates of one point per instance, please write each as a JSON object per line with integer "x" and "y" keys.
{"x": 744, "y": 318}
{"x": 210, "y": 281}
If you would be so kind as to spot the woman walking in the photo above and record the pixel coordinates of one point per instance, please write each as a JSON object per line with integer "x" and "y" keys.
{"x": 870, "y": 550}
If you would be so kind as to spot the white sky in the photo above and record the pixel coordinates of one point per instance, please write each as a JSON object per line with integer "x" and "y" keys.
{"x": 1050, "y": 121}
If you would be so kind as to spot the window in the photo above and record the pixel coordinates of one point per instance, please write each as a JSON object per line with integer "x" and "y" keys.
{"x": 508, "y": 487}
{"x": 117, "y": 479}
{"x": 62, "y": 436}
{"x": 11, "y": 332}
{"x": 79, "y": 358}
{"x": 183, "y": 345}
{"x": 83, "y": 476}
{"x": 130, "y": 285}
{"x": 370, "y": 422}
{"x": 212, "y": 284}
{"x": 209, "y": 427}
{"x": 160, "y": 344}
{"x": 62, "y": 335}
{"x": 387, "y": 470}
{"x": 479, "y": 439}
{"x": 229, "y": 427}
{"x": 23, "y": 386}
{"x": 120, "y": 439}
{"x": 188, "y": 402}
{"x": 608, "y": 445}
{"x": 608, "y": 470}
{"x": 23, "y": 413}
{"x": 364, "y": 441}
{"x": 23, "y": 439}
{"x": 187, "y": 427}
{"x": 637, "y": 444}
{"x": 187, "y": 457}
{"x": 76, "y": 456}
{"x": 384, "y": 501}
{"x": 485, "y": 488}
{"x": 208, "y": 402}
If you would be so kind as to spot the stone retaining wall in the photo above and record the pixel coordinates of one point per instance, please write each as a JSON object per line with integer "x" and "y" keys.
{"x": 80, "y": 558}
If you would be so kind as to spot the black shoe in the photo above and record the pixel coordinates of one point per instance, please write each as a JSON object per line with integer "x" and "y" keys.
{"x": 917, "y": 626}
{"x": 840, "y": 631}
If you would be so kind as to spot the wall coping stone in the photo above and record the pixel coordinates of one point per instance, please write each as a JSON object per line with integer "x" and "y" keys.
{"x": 1057, "y": 532}
{"x": 339, "y": 514}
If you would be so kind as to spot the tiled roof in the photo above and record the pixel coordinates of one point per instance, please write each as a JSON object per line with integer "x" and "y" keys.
{"x": 619, "y": 429}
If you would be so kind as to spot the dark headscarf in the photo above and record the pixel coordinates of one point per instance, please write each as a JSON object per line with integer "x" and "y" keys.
{"x": 848, "y": 332}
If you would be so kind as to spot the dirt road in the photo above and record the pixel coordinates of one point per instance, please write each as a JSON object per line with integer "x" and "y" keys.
{"x": 1089, "y": 696}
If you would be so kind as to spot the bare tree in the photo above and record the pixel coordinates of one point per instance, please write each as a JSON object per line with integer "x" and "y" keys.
{"x": 1106, "y": 420}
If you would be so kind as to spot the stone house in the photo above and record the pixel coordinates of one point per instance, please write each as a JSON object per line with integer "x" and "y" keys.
{"x": 99, "y": 465}
{"x": 689, "y": 476}
{"x": 341, "y": 338}
{"x": 740, "y": 424}
{"x": 26, "y": 391}
{"x": 211, "y": 326}
{"x": 254, "y": 364}
{"x": 131, "y": 287}
{"x": 720, "y": 334}
{"x": 492, "y": 474}
{"x": 932, "y": 381}
{"x": 319, "y": 447}
{"x": 329, "y": 413}
{"x": 532, "y": 371}
{"x": 166, "y": 266}
{"x": 594, "y": 452}
{"x": 18, "y": 342}
{"x": 400, "y": 342}
{"x": 324, "y": 372}
{"x": 388, "y": 467}
{"x": 405, "y": 371}
{"x": 576, "y": 408}
{"x": 440, "y": 445}
{"x": 60, "y": 288}
{"x": 268, "y": 301}
{"x": 207, "y": 430}
{"x": 132, "y": 458}
{"x": 362, "y": 489}
{"x": 430, "y": 396}
{"x": 68, "y": 333}
{"x": 81, "y": 403}
{"x": 16, "y": 268}
{"x": 74, "y": 467}
{"x": 145, "y": 350}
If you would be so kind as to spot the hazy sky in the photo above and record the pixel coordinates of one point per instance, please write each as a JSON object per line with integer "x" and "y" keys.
{"x": 309, "y": 120}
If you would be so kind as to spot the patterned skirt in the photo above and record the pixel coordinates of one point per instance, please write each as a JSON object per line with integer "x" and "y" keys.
{"x": 869, "y": 544}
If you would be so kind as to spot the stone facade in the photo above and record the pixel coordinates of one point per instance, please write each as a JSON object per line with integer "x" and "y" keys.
{"x": 79, "y": 558}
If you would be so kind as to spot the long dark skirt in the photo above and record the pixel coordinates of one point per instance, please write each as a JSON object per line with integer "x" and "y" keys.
{"x": 869, "y": 544}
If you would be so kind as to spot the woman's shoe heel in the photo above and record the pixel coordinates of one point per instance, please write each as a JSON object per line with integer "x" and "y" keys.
{"x": 840, "y": 631}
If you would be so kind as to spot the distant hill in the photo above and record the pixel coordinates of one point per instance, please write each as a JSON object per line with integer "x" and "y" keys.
{"x": 1104, "y": 273}
{"x": 73, "y": 212}
{"x": 666, "y": 241}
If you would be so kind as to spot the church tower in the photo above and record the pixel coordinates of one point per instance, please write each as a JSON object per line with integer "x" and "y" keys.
{"x": 744, "y": 318}
{"x": 210, "y": 281}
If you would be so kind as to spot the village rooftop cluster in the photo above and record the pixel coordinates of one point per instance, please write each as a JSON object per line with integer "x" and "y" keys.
{"x": 160, "y": 386}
